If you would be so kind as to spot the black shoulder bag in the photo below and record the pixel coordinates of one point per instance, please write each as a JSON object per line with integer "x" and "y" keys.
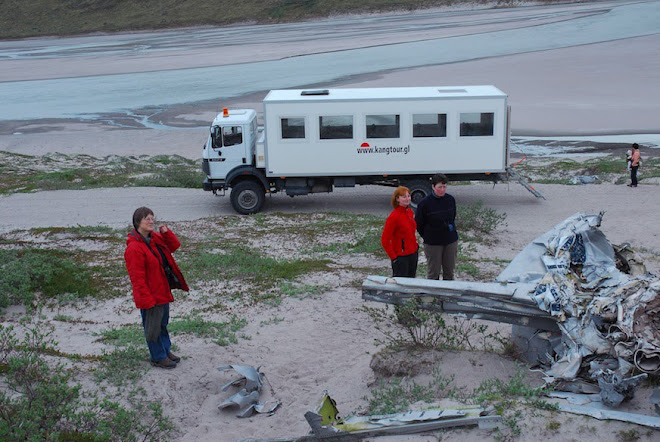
{"x": 172, "y": 279}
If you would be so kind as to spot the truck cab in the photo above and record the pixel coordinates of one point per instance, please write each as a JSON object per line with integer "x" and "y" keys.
{"x": 230, "y": 156}
{"x": 231, "y": 143}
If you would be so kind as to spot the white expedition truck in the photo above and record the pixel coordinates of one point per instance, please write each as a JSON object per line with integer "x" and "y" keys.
{"x": 314, "y": 140}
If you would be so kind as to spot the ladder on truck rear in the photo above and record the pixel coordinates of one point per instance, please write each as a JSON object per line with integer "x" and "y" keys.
{"x": 512, "y": 174}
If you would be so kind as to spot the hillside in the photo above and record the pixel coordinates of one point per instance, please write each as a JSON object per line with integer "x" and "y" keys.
{"x": 21, "y": 19}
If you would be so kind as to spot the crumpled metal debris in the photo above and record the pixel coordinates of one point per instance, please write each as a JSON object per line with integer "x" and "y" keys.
{"x": 614, "y": 389}
{"x": 655, "y": 400}
{"x": 247, "y": 398}
{"x": 325, "y": 421}
{"x": 606, "y": 304}
{"x": 585, "y": 179}
{"x": 597, "y": 411}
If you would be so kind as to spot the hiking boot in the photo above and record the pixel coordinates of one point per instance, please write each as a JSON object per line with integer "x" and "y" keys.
{"x": 165, "y": 363}
{"x": 174, "y": 358}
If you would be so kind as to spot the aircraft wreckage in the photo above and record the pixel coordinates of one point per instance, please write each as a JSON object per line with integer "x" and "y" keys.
{"x": 586, "y": 310}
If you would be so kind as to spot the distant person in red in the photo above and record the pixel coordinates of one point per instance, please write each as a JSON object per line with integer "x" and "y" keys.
{"x": 154, "y": 274}
{"x": 635, "y": 158}
{"x": 398, "y": 238}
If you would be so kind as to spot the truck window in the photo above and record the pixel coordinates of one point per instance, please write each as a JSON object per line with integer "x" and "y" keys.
{"x": 382, "y": 126}
{"x": 477, "y": 124}
{"x": 336, "y": 127}
{"x": 293, "y": 128}
{"x": 232, "y": 135}
{"x": 216, "y": 137}
{"x": 429, "y": 125}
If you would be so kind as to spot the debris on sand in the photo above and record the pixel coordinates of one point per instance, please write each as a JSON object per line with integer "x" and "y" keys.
{"x": 247, "y": 398}
{"x": 594, "y": 305}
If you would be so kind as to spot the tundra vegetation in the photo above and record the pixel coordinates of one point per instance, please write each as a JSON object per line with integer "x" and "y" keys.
{"x": 44, "y": 270}
{"x": 264, "y": 260}
{"x": 26, "y": 173}
{"x": 22, "y": 19}
{"x": 606, "y": 169}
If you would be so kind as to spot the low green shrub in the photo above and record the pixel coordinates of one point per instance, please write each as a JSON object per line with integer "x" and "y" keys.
{"x": 85, "y": 172}
{"x": 411, "y": 325}
{"x": 517, "y": 387}
{"x": 242, "y": 262}
{"x": 24, "y": 273}
{"x": 43, "y": 402}
{"x": 397, "y": 394}
{"x": 222, "y": 333}
{"x": 478, "y": 219}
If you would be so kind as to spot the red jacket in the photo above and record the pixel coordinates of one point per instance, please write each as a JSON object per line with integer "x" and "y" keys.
{"x": 150, "y": 286}
{"x": 398, "y": 238}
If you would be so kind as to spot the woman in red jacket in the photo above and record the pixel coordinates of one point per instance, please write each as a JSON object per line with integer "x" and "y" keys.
{"x": 153, "y": 274}
{"x": 398, "y": 238}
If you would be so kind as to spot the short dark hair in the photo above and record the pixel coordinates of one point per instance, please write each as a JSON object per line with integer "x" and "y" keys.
{"x": 438, "y": 178}
{"x": 140, "y": 214}
{"x": 635, "y": 146}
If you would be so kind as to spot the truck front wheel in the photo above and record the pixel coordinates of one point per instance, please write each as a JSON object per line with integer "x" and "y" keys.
{"x": 247, "y": 197}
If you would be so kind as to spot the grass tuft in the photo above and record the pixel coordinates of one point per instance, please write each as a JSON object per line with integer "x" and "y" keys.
{"x": 243, "y": 263}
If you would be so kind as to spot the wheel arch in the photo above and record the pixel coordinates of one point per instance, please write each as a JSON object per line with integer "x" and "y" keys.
{"x": 243, "y": 173}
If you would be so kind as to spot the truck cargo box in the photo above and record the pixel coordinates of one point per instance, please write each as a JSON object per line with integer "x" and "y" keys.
{"x": 386, "y": 131}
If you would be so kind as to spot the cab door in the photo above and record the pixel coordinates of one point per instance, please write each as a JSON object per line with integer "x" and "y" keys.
{"x": 227, "y": 149}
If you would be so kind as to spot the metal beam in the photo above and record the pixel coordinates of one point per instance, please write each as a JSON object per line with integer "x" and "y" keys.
{"x": 500, "y": 302}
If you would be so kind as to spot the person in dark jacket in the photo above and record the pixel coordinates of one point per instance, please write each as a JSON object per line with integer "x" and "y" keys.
{"x": 436, "y": 223}
{"x": 398, "y": 237}
{"x": 153, "y": 273}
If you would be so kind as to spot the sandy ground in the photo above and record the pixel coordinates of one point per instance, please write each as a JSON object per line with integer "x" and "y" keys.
{"x": 325, "y": 342}
{"x": 309, "y": 345}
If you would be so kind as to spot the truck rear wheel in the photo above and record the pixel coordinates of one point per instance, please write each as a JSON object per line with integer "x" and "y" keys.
{"x": 419, "y": 189}
{"x": 247, "y": 197}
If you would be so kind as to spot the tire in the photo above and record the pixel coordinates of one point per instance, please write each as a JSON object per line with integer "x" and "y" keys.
{"x": 247, "y": 197}
{"x": 419, "y": 189}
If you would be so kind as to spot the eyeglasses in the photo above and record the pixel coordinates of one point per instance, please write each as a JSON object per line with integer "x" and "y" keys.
{"x": 149, "y": 218}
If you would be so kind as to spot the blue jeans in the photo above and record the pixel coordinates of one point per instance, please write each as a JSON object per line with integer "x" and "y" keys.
{"x": 160, "y": 349}
{"x": 633, "y": 175}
